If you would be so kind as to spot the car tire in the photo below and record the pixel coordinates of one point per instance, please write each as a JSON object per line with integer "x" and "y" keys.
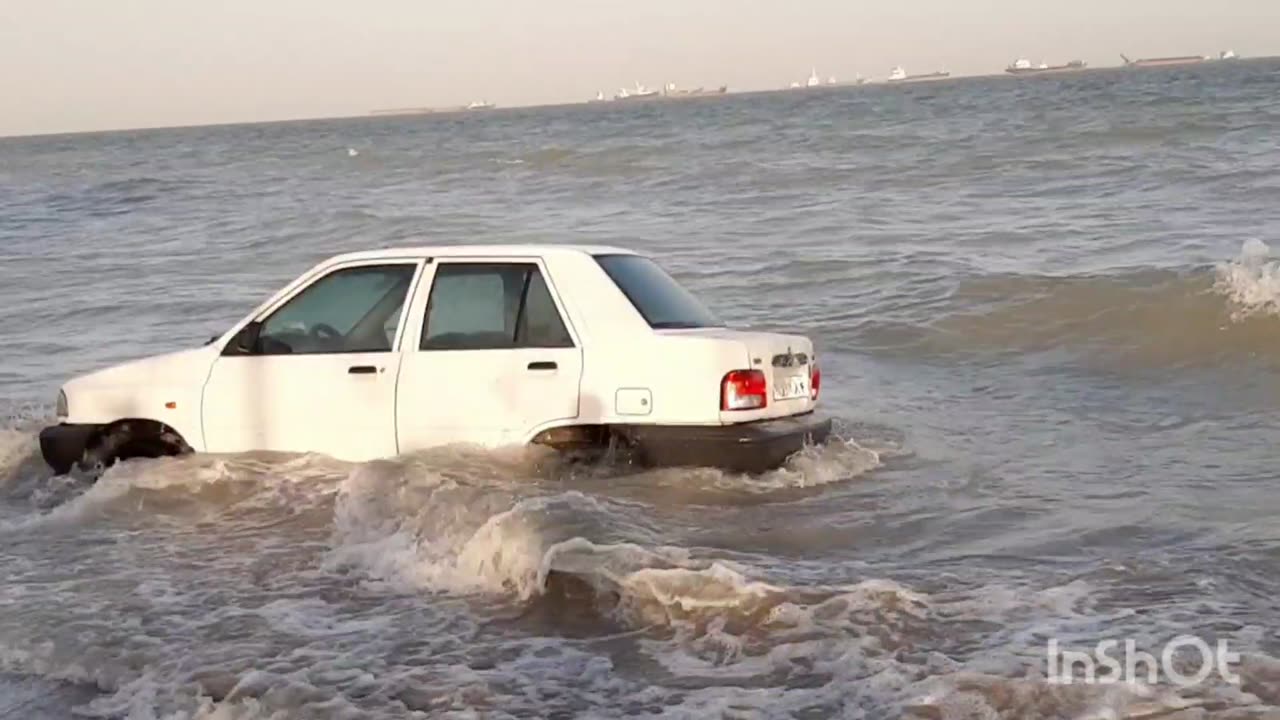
{"x": 128, "y": 439}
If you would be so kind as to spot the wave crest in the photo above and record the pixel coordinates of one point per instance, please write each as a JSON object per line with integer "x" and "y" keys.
{"x": 1137, "y": 319}
{"x": 434, "y": 522}
{"x": 16, "y": 450}
{"x": 1251, "y": 282}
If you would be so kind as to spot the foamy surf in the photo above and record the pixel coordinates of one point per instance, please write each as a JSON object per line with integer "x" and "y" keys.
{"x": 516, "y": 517}
{"x": 1251, "y": 281}
{"x": 415, "y": 528}
{"x": 141, "y": 486}
{"x": 374, "y": 613}
{"x": 318, "y": 554}
{"x": 16, "y": 449}
{"x": 422, "y": 530}
{"x": 1130, "y": 318}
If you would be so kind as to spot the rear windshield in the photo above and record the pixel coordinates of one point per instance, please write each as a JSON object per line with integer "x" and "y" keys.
{"x": 663, "y": 302}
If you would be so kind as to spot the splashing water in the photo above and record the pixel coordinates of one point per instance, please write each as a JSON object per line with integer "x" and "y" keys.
{"x": 1251, "y": 281}
{"x": 15, "y": 447}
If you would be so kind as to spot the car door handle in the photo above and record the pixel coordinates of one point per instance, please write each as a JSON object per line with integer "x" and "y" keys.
{"x": 544, "y": 365}
{"x": 362, "y": 370}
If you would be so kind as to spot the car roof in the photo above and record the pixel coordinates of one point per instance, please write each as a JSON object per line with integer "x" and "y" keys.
{"x": 541, "y": 250}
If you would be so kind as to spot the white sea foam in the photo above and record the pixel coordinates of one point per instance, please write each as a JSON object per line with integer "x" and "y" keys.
{"x": 1251, "y": 281}
{"x": 867, "y": 643}
{"x": 742, "y": 648}
{"x": 16, "y": 447}
{"x": 426, "y": 531}
{"x": 274, "y": 627}
{"x": 838, "y": 460}
{"x": 79, "y": 499}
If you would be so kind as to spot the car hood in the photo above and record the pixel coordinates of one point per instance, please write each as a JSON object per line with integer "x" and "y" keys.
{"x": 181, "y": 367}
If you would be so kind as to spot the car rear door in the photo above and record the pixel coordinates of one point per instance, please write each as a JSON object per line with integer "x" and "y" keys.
{"x": 495, "y": 357}
{"x": 317, "y": 371}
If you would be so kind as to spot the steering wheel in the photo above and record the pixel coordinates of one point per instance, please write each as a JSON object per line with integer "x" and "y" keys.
{"x": 322, "y": 331}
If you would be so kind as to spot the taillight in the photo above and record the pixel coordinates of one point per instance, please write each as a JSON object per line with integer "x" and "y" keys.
{"x": 815, "y": 381}
{"x": 743, "y": 390}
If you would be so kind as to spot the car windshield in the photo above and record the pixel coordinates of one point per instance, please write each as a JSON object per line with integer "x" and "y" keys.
{"x": 663, "y": 302}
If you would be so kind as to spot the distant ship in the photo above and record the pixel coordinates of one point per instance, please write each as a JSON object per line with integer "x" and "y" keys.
{"x": 1024, "y": 67}
{"x": 481, "y": 105}
{"x": 640, "y": 92}
{"x": 811, "y": 82}
{"x": 898, "y": 75}
{"x": 1164, "y": 61}
{"x": 670, "y": 90}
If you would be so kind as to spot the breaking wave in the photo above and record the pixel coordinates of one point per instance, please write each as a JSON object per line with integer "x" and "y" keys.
{"x": 16, "y": 447}
{"x": 1251, "y": 282}
{"x": 447, "y": 535}
{"x": 285, "y": 536}
{"x": 1146, "y": 318}
{"x": 453, "y": 582}
{"x": 414, "y": 526}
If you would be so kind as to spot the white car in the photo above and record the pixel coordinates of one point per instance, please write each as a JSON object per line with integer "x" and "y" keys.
{"x": 374, "y": 354}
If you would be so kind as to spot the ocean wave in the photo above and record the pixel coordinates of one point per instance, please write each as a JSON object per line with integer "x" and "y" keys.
{"x": 872, "y": 649}
{"x": 331, "y": 590}
{"x": 425, "y": 530}
{"x": 115, "y": 197}
{"x": 1198, "y": 317}
{"x": 426, "y": 523}
{"x": 1251, "y": 282}
{"x": 620, "y": 161}
{"x": 372, "y": 611}
{"x": 16, "y": 449}
{"x": 162, "y": 487}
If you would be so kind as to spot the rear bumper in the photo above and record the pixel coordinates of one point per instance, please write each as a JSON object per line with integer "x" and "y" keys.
{"x": 752, "y": 447}
{"x": 62, "y": 446}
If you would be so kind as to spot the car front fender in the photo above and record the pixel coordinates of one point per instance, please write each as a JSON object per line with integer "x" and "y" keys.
{"x": 165, "y": 388}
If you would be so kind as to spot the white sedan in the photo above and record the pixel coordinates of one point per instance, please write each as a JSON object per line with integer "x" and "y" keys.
{"x": 374, "y": 354}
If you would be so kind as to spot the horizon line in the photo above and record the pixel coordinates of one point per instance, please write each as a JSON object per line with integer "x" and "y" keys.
{"x": 463, "y": 110}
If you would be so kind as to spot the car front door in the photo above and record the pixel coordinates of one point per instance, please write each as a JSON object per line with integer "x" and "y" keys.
{"x": 317, "y": 371}
{"x": 494, "y": 360}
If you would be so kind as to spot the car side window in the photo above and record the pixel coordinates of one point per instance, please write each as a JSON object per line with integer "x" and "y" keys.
{"x": 350, "y": 310}
{"x": 540, "y": 324}
{"x": 489, "y": 306}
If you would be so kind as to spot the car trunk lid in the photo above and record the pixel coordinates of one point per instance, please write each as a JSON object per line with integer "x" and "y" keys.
{"x": 786, "y": 360}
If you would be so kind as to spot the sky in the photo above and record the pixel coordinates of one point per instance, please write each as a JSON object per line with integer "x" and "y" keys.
{"x": 73, "y": 65}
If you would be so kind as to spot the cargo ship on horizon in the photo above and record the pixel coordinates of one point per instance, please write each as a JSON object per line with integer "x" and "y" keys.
{"x": 641, "y": 92}
{"x": 1164, "y": 61}
{"x": 1023, "y": 66}
{"x": 814, "y": 81}
{"x": 671, "y": 91}
{"x": 899, "y": 75}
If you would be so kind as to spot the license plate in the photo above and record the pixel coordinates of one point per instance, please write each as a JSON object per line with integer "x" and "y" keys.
{"x": 789, "y": 388}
